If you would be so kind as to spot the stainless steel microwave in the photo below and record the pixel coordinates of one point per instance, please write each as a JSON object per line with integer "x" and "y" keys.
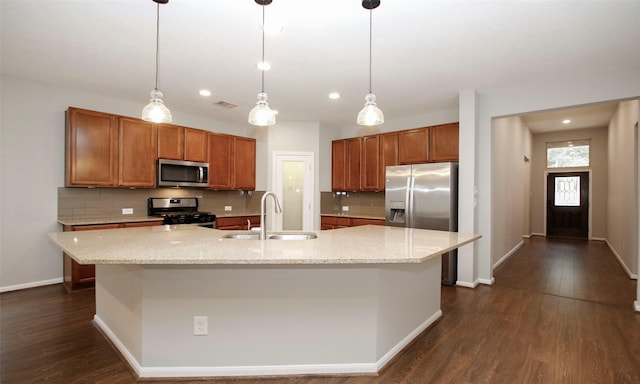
{"x": 179, "y": 173}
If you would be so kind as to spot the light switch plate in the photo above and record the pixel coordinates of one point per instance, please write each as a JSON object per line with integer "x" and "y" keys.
{"x": 127, "y": 211}
{"x": 345, "y": 208}
{"x": 228, "y": 208}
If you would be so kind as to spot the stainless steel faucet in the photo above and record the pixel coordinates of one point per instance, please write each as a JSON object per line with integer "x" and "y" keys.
{"x": 263, "y": 204}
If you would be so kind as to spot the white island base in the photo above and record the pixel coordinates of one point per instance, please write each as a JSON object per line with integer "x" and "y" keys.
{"x": 265, "y": 320}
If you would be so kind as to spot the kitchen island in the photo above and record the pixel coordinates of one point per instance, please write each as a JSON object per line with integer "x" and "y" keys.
{"x": 345, "y": 302}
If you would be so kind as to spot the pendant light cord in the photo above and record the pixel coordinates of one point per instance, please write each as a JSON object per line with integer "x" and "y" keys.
{"x": 157, "y": 40}
{"x": 262, "y": 63}
{"x": 370, "y": 44}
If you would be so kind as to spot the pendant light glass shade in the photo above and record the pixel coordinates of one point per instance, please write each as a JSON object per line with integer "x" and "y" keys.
{"x": 156, "y": 111}
{"x": 370, "y": 115}
{"x": 261, "y": 115}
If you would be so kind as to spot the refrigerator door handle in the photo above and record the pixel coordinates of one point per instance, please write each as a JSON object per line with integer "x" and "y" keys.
{"x": 409, "y": 200}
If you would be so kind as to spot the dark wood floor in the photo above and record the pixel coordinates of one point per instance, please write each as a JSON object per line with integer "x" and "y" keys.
{"x": 561, "y": 311}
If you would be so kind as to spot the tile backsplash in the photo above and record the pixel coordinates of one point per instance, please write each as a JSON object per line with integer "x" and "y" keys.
{"x": 80, "y": 203}
{"x": 358, "y": 203}
{"x": 109, "y": 202}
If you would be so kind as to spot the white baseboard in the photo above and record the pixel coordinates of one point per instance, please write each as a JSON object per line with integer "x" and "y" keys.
{"x": 624, "y": 266}
{"x": 404, "y": 342}
{"x": 487, "y": 282}
{"x": 636, "y": 304}
{"x": 466, "y": 284}
{"x": 538, "y": 234}
{"x": 118, "y": 344}
{"x": 31, "y": 285}
{"x": 508, "y": 255}
{"x": 473, "y": 285}
{"x": 267, "y": 370}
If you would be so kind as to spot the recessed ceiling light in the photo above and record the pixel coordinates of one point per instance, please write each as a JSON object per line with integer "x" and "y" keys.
{"x": 204, "y": 92}
{"x": 264, "y": 66}
{"x": 566, "y": 121}
{"x": 334, "y": 95}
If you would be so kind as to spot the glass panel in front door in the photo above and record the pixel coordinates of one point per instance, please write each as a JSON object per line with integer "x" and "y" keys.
{"x": 567, "y": 191}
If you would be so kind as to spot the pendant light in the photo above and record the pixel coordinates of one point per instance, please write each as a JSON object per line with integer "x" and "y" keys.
{"x": 156, "y": 111}
{"x": 261, "y": 115}
{"x": 370, "y": 115}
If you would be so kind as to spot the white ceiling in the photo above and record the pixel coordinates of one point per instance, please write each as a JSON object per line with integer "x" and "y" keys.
{"x": 590, "y": 116}
{"x": 424, "y": 52}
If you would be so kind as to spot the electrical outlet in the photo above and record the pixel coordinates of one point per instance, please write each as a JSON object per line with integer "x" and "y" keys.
{"x": 127, "y": 211}
{"x": 345, "y": 208}
{"x": 228, "y": 208}
{"x": 200, "y": 325}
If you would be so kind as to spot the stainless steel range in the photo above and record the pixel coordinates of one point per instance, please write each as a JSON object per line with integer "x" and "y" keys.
{"x": 182, "y": 210}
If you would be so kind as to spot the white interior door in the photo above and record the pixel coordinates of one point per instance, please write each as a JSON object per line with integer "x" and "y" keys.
{"x": 293, "y": 184}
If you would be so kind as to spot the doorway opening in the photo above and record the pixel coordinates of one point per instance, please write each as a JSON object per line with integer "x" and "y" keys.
{"x": 293, "y": 184}
{"x": 568, "y": 204}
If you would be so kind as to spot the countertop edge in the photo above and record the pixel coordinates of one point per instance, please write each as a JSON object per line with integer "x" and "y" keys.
{"x": 106, "y": 220}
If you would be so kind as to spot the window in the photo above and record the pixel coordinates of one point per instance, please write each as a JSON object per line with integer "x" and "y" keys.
{"x": 567, "y": 191}
{"x": 565, "y": 154}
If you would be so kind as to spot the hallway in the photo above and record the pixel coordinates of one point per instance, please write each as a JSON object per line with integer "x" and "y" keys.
{"x": 559, "y": 312}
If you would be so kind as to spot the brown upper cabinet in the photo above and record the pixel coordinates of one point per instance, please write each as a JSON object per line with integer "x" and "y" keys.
{"x": 232, "y": 162}
{"x": 195, "y": 145}
{"x": 413, "y": 146}
{"x": 338, "y": 165}
{"x": 354, "y": 163}
{"x": 388, "y": 155}
{"x": 368, "y": 156}
{"x": 443, "y": 143}
{"x": 105, "y": 150}
{"x": 220, "y": 169}
{"x": 346, "y": 164}
{"x": 378, "y": 151}
{"x": 370, "y": 163}
{"x": 137, "y": 148}
{"x": 244, "y": 163}
{"x": 170, "y": 142}
{"x": 91, "y": 148}
{"x": 182, "y": 143}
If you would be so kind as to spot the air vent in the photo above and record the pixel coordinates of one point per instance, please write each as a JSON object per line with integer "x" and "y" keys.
{"x": 224, "y": 104}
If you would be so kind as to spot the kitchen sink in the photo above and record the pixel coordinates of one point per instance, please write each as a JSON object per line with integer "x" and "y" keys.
{"x": 291, "y": 236}
{"x": 242, "y": 236}
{"x": 271, "y": 236}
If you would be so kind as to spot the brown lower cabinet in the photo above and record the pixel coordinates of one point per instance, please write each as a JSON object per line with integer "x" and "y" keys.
{"x": 333, "y": 222}
{"x": 237, "y": 222}
{"x": 82, "y": 276}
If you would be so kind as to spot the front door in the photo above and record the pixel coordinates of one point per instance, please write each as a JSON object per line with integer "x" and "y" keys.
{"x": 568, "y": 204}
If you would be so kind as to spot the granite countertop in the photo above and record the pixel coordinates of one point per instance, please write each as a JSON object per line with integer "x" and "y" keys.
{"x": 190, "y": 244}
{"x": 236, "y": 214}
{"x": 353, "y": 215}
{"x": 106, "y": 220}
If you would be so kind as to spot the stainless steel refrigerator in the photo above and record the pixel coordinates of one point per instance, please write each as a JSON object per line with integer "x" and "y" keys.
{"x": 425, "y": 196}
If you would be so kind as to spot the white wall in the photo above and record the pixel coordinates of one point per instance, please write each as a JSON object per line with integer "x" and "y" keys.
{"x": 511, "y": 143}
{"x": 621, "y": 224}
{"x": 296, "y": 136}
{"x": 528, "y": 96}
{"x": 32, "y": 169}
